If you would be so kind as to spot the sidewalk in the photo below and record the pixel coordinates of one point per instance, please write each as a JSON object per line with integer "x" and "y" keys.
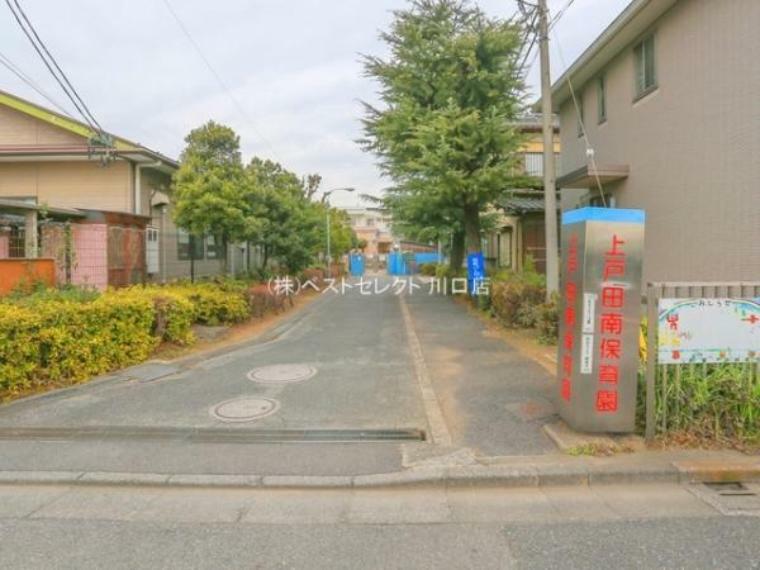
{"x": 494, "y": 399}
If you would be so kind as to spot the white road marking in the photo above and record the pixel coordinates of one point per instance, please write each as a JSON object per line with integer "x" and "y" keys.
{"x": 439, "y": 432}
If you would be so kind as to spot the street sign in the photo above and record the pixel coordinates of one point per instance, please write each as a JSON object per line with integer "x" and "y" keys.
{"x": 476, "y": 271}
{"x": 599, "y": 318}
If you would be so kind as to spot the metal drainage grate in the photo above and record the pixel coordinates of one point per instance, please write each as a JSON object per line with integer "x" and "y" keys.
{"x": 731, "y": 489}
{"x": 211, "y": 435}
{"x": 282, "y": 373}
{"x": 244, "y": 409}
{"x": 730, "y": 497}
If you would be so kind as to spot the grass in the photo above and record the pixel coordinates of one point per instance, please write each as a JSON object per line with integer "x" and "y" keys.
{"x": 708, "y": 402}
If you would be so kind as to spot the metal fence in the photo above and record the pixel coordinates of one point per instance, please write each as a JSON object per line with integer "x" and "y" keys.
{"x": 662, "y": 377}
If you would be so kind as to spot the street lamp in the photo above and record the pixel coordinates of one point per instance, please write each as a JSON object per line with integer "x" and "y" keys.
{"x": 327, "y": 221}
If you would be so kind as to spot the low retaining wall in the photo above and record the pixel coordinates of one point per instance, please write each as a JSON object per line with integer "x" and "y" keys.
{"x": 14, "y": 272}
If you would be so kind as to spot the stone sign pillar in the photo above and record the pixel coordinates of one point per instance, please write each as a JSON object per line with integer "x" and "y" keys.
{"x": 600, "y": 290}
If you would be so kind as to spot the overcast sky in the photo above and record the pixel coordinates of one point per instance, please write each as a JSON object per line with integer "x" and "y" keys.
{"x": 292, "y": 65}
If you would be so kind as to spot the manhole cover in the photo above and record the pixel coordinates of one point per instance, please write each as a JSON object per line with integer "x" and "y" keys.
{"x": 244, "y": 409}
{"x": 282, "y": 373}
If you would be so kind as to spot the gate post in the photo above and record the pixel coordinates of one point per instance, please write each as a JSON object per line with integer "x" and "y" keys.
{"x": 651, "y": 373}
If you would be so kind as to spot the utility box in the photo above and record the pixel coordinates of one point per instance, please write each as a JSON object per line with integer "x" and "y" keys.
{"x": 600, "y": 313}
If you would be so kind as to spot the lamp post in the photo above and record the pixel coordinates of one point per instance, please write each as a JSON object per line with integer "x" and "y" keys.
{"x": 327, "y": 222}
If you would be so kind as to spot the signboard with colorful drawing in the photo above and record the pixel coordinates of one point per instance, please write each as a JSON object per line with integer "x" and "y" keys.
{"x": 708, "y": 330}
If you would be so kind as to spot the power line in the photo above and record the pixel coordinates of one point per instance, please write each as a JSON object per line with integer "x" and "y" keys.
{"x": 579, "y": 115}
{"x": 218, "y": 78}
{"x": 18, "y": 72}
{"x": 559, "y": 14}
{"x": 63, "y": 81}
{"x": 532, "y": 28}
{"x": 55, "y": 63}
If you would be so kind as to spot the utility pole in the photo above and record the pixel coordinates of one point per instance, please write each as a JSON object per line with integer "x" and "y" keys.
{"x": 327, "y": 228}
{"x": 550, "y": 188}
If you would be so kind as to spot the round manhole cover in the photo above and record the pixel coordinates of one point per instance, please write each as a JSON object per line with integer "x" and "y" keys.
{"x": 244, "y": 409}
{"x": 282, "y": 373}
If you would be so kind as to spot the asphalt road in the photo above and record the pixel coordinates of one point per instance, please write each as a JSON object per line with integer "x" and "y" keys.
{"x": 380, "y": 361}
{"x": 649, "y": 526}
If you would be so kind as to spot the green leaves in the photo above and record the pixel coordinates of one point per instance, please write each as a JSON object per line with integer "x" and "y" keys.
{"x": 450, "y": 89}
{"x": 261, "y": 203}
{"x": 208, "y": 187}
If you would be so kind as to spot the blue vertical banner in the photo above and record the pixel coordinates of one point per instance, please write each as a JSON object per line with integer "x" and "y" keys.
{"x": 476, "y": 270}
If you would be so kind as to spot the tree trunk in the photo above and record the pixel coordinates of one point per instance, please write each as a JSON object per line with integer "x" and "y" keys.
{"x": 456, "y": 256}
{"x": 265, "y": 258}
{"x": 472, "y": 228}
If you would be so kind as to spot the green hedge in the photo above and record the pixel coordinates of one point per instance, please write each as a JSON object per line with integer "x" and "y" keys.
{"x": 215, "y": 305}
{"x": 54, "y": 341}
{"x": 52, "y": 335}
{"x": 173, "y": 313}
{"x": 518, "y": 300}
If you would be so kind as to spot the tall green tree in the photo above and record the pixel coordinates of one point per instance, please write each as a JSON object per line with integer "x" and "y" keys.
{"x": 289, "y": 226}
{"x": 208, "y": 186}
{"x": 450, "y": 89}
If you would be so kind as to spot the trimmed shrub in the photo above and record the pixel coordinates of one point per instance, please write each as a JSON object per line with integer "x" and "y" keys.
{"x": 19, "y": 346}
{"x": 512, "y": 302}
{"x": 262, "y": 300}
{"x": 314, "y": 274}
{"x": 66, "y": 340}
{"x": 174, "y": 313}
{"x": 428, "y": 269}
{"x": 547, "y": 320}
{"x": 70, "y": 335}
{"x": 214, "y": 306}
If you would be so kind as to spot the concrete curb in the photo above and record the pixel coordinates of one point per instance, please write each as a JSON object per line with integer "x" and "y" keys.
{"x": 475, "y": 476}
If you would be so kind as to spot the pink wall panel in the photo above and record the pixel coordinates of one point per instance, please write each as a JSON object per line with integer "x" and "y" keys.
{"x": 4, "y": 246}
{"x": 91, "y": 247}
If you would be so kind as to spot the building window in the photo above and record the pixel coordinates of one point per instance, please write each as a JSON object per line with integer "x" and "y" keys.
{"x": 183, "y": 244}
{"x": 580, "y": 114}
{"x": 504, "y": 246}
{"x": 646, "y": 76}
{"x": 601, "y": 98}
{"x": 214, "y": 248}
{"x": 187, "y": 245}
{"x": 534, "y": 163}
{"x": 17, "y": 242}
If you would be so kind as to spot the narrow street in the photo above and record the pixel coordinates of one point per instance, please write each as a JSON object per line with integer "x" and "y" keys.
{"x": 389, "y": 373}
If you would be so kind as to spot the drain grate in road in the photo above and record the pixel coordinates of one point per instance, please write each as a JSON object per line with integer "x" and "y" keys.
{"x": 282, "y": 373}
{"x": 244, "y": 409}
{"x": 730, "y": 497}
{"x": 212, "y": 435}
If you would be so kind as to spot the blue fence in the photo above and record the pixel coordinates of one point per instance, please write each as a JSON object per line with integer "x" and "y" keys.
{"x": 420, "y": 258}
{"x": 408, "y": 263}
